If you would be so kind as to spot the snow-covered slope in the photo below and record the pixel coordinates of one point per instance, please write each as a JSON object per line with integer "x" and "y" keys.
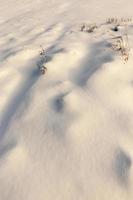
{"x": 67, "y": 134}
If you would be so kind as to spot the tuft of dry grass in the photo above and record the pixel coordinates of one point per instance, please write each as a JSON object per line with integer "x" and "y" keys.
{"x": 89, "y": 28}
{"x": 121, "y": 44}
{"x": 119, "y": 21}
{"x": 42, "y": 61}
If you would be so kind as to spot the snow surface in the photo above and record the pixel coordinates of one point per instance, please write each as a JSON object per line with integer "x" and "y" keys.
{"x": 68, "y": 134}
